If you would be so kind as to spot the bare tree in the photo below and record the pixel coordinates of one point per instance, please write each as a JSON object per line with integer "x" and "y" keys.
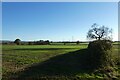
{"x": 99, "y": 32}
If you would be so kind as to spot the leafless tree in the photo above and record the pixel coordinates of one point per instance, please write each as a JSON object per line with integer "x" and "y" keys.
{"x": 99, "y": 32}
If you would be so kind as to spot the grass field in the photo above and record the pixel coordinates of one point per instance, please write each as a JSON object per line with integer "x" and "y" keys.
{"x": 48, "y": 62}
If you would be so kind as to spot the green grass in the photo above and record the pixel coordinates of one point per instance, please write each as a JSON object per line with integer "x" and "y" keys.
{"x": 61, "y": 62}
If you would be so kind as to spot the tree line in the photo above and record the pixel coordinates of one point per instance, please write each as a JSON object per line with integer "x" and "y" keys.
{"x": 96, "y": 33}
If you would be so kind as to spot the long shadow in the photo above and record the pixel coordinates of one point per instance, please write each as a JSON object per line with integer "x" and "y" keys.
{"x": 68, "y": 64}
{"x": 43, "y": 48}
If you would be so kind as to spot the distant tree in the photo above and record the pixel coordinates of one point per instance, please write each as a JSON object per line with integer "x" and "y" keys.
{"x": 99, "y": 32}
{"x": 29, "y": 43}
{"x": 64, "y": 43}
{"x": 17, "y": 41}
{"x": 47, "y": 42}
{"x": 41, "y": 41}
{"x": 77, "y": 42}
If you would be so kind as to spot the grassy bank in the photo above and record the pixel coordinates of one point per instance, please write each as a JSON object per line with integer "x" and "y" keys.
{"x": 47, "y": 62}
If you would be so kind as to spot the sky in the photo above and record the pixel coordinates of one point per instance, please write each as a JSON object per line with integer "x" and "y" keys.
{"x": 60, "y": 0}
{"x": 56, "y": 21}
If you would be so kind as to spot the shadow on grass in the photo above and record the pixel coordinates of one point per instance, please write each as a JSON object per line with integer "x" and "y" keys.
{"x": 68, "y": 64}
{"x": 43, "y": 48}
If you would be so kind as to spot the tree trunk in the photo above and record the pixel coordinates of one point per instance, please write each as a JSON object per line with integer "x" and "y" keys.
{"x": 99, "y": 38}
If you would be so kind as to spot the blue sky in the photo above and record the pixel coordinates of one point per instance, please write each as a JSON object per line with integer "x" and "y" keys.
{"x": 56, "y": 21}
